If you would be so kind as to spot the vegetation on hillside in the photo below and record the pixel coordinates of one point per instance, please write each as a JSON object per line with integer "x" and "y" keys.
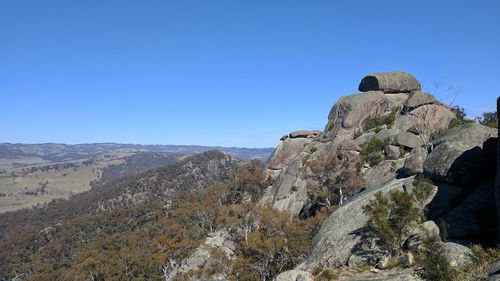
{"x": 106, "y": 234}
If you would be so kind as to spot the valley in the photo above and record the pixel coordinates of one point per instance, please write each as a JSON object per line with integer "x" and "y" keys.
{"x": 33, "y": 175}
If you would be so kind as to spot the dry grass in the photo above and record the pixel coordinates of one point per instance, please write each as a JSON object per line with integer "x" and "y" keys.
{"x": 15, "y": 182}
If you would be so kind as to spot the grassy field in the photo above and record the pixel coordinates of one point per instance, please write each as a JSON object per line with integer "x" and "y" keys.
{"x": 22, "y": 187}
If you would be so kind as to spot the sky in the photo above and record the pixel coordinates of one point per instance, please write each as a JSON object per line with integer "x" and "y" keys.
{"x": 228, "y": 73}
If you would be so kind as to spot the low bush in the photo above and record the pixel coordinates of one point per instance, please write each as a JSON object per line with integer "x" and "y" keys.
{"x": 387, "y": 119}
{"x": 392, "y": 217}
{"x": 371, "y": 151}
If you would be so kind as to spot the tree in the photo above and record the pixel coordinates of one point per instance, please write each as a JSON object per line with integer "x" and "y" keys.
{"x": 489, "y": 119}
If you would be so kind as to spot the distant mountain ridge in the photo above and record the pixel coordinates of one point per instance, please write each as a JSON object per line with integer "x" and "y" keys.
{"x": 58, "y": 151}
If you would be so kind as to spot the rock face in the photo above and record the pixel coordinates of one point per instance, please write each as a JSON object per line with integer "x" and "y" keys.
{"x": 389, "y": 82}
{"x": 348, "y": 114}
{"x": 285, "y": 151}
{"x": 458, "y": 157}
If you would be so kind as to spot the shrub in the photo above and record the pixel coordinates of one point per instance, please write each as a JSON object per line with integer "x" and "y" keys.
{"x": 423, "y": 188}
{"x": 489, "y": 119}
{"x": 435, "y": 264}
{"x": 387, "y": 119}
{"x": 458, "y": 122}
{"x": 392, "y": 217}
{"x": 371, "y": 151}
{"x": 326, "y": 275}
{"x": 437, "y": 267}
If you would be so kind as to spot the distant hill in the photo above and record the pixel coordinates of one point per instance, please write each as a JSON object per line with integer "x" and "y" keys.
{"x": 32, "y": 174}
{"x": 59, "y": 152}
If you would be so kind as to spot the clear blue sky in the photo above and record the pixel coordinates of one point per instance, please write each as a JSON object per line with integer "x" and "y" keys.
{"x": 231, "y": 73}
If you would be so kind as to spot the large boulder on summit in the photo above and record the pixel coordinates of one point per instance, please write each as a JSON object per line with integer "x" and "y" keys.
{"x": 389, "y": 82}
{"x": 458, "y": 157}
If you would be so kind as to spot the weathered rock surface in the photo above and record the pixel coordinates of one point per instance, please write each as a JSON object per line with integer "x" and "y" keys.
{"x": 348, "y": 114}
{"x": 408, "y": 139}
{"x": 389, "y": 82}
{"x": 458, "y": 157}
{"x": 294, "y": 275}
{"x": 397, "y": 99}
{"x": 289, "y": 190}
{"x": 202, "y": 256}
{"x": 342, "y": 231}
{"x": 382, "y": 173}
{"x": 285, "y": 152}
{"x": 425, "y": 230}
{"x": 457, "y": 255}
{"x": 349, "y": 145}
{"x": 430, "y": 119}
{"x": 414, "y": 164}
{"x": 419, "y": 98}
{"x": 391, "y": 151}
{"x": 387, "y": 134}
{"x": 388, "y": 275}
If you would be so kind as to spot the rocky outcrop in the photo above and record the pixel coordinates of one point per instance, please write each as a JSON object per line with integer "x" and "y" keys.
{"x": 458, "y": 157}
{"x": 389, "y": 82}
{"x": 412, "y": 128}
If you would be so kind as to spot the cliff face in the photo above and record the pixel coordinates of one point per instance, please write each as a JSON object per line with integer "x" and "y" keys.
{"x": 389, "y": 133}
